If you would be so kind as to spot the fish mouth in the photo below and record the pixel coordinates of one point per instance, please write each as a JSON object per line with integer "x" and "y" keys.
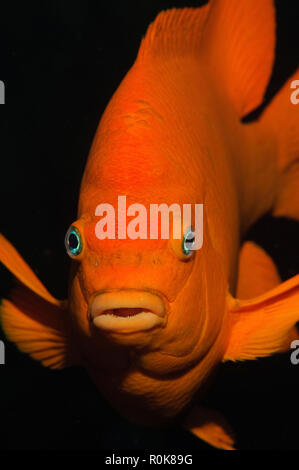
{"x": 127, "y": 311}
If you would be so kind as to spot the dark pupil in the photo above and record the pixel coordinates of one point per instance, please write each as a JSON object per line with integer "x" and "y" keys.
{"x": 191, "y": 239}
{"x": 73, "y": 241}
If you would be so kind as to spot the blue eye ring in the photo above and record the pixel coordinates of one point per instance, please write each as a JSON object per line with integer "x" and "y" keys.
{"x": 188, "y": 242}
{"x": 73, "y": 242}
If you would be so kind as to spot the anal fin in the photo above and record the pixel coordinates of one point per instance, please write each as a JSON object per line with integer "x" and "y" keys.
{"x": 211, "y": 427}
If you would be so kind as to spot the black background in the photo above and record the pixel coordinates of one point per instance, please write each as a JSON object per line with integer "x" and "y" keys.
{"x": 61, "y": 61}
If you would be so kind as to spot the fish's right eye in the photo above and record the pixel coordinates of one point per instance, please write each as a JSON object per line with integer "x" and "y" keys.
{"x": 188, "y": 242}
{"x": 73, "y": 242}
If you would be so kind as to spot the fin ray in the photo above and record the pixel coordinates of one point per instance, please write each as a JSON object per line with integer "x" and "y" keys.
{"x": 174, "y": 32}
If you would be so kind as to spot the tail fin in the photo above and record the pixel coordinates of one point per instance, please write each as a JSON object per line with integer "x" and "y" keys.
{"x": 281, "y": 119}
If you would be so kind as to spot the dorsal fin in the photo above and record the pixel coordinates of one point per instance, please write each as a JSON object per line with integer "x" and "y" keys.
{"x": 174, "y": 32}
{"x": 237, "y": 40}
{"x": 239, "y": 44}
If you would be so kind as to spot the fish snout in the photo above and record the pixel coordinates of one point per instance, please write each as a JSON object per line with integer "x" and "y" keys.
{"x": 127, "y": 311}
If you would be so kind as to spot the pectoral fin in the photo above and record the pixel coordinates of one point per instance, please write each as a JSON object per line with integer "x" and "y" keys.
{"x": 17, "y": 266}
{"x": 33, "y": 318}
{"x": 264, "y": 325}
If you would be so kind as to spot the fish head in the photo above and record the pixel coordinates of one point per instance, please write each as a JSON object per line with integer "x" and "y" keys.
{"x": 147, "y": 303}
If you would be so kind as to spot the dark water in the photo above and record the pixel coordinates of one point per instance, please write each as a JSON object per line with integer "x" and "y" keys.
{"x": 61, "y": 62}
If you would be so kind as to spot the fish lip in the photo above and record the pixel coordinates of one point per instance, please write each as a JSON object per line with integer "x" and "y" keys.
{"x": 153, "y": 316}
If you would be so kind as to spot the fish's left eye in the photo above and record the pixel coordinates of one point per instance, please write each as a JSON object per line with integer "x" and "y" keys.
{"x": 73, "y": 242}
{"x": 188, "y": 242}
{"x": 183, "y": 247}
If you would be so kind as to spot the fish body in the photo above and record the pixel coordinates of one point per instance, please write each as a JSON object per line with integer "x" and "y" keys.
{"x": 150, "y": 323}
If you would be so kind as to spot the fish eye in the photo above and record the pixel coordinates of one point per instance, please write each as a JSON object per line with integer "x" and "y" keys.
{"x": 188, "y": 242}
{"x": 73, "y": 242}
{"x": 183, "y": 247}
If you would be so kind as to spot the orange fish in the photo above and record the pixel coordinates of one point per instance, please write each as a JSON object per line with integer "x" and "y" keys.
{"x": 149, "y": 320}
